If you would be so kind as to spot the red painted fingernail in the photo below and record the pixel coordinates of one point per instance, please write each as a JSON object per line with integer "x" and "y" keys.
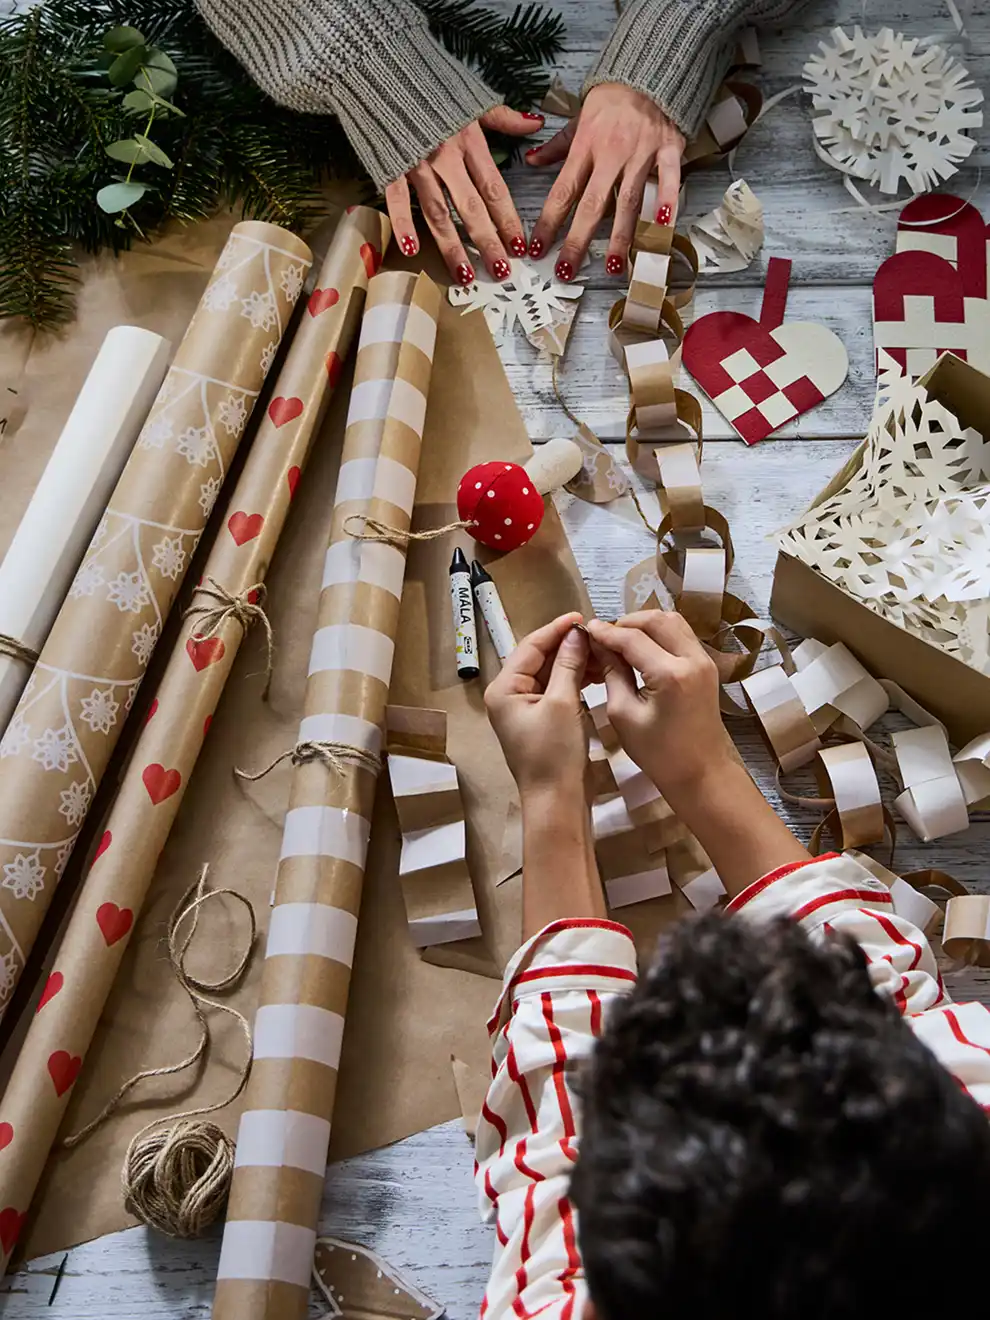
{"x": 518, "y": 246}
{"x": 409, "y": 245}
{"x": 532, "y": 152}
{"x": 464, "y": 273}
{"x": 501, "y": 269}
{"x": 664, "y": 214}
{"x": 564, "y": 271}
{"x": 531, "y": 114}
{"x": 614, "y": 265}
{"x": 536, "y": 248}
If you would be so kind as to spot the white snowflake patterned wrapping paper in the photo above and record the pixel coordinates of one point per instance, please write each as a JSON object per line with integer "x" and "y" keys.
{"x": 66, "y": 725}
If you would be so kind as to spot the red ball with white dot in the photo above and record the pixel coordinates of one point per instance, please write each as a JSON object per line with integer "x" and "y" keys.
{"x": 502, "y": 503}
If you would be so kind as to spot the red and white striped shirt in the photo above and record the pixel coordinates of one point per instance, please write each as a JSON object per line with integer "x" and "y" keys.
{"x": 556, "y": 990}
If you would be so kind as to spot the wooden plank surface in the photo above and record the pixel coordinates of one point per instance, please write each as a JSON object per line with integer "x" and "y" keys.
{"x": 415, "y": 1202}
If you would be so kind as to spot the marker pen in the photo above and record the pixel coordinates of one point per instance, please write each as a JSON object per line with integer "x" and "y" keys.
{"x": 492, "y": 611}
{"x": 462, "y": 608}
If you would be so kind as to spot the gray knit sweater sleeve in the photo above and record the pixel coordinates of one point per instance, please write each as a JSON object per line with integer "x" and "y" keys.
{"x": 373, "y": 63}
{"x": 677, "y": 51}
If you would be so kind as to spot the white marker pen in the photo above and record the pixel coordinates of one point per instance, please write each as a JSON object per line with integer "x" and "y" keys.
{"x": 462, "y": 608}
{"x": 493, "y": 612}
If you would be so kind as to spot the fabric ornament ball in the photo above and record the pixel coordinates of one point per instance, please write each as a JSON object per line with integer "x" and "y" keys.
{"x": 502, "y": 503}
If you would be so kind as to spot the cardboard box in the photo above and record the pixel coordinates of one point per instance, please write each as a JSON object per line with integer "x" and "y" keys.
{"x": 814, "y": 607}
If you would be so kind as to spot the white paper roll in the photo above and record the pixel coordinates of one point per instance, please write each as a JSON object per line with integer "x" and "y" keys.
{"x": 72, "y": 494}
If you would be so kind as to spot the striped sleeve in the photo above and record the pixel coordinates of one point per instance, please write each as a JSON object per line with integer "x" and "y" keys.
{"x": 557, "y": 990}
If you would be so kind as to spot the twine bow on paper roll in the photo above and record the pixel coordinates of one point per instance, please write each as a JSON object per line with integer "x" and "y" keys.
{"x": 228, "y": 606}
{"x": 17, "y": 650}
{"x": 385, "y": 534}
{"x": 334, "y": 755}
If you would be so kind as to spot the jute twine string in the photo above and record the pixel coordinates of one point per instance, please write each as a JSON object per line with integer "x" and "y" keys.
{"x": 228, "y": 606}
{"x": 335, "y": 756}
{"x": 17, "y": 650}
{"x": 385, "y": 534}
{"x": 176, "y": 1173}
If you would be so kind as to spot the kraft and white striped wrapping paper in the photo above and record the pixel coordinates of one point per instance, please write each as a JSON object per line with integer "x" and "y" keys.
{"x": 269, "y": 1238}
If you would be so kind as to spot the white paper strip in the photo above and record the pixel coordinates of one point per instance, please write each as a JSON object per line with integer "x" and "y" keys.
{"x": 298, "y": 1031}
{"x": 444, "y": 929}
{"x": 973, "y": 768}
{"x": 72, "y": 493}
{"x": 636, "y": 787}
{"x": 271, "y": 1137}
{"x": 704, "y": 891}
{"x": 343, "y": 729}
{"x": 423, "y": 849}
{"x": 365, "y": 561}
{"x": 408, "y": 404}
{"x": 298, "y": 929}
{"x": 932, "y": 803}
{"x": 259, "y": 1249}
{"x": 325, "y": 832}
{"x": 610, "y": 817}
{"x": 625, "y": 890}
{"x": 412, "y": 775}
{"x": 349, "y": 646}
{"x": 383, "y": 324}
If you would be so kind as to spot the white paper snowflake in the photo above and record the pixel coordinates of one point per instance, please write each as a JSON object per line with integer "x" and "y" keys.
{"x": 86, "y": 581}
{"x": 268, "y": 356}
{"x": 260, "y": 310}
{"x": 74, "y": 802}
{"x": 10, "y": 967}
{"x": 129, "y": 592}
{"x": 291, "y": 282}
{"x": 99, "y": 710}
{"x": 25, "y": 876}
{"x": 157, "y": 431}
{"x": 643, "y": 588}
{"x": 890, "y": 110}
{"x": 195, "y": 444}
{"x": 169, "y": 557}
{"x": 208, "y": 493}
{"x": 532, "y": 296}
{"x": 56, "y": 749}
{"x": 232, "y": 413}
{"x": 221, "y": 295}
{"x": 16, "y": 738}
{"x": 143, "y": 642}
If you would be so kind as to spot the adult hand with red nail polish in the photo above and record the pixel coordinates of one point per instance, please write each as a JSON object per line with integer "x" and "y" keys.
{"x": 462, "y": 169}
{"x": 611, "y": 148}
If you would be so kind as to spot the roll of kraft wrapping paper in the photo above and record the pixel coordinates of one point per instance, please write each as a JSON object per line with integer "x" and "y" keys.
{"x": 165, "y": 755}
{"x": 59, "y": 740}
{"x": 69, "y": 500}
{"x": 267, "y": 1253}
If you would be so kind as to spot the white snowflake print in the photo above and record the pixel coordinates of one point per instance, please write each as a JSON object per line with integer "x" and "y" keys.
{"x": 221, "y": 295}
{"x": 291, "y": 282}
{"x": 17, "y": 737}
{"x": 644, "y": 588}
{"x": 132, "y": 692}
{"x": 232, "y": 413}
{"x": 89, "y": 577}
{"x": 268, "y": 356}
{"x": 62, "y": 856}
{"x": 129, "y": 592}
{"x": 99, "y": 710}
{"x": 616, "y": 480}
{"x": 208, "y": 493}
{"x": 9, "y": 968}
{"x": 157, "y": 431}
{"x": 56, "y": 749}
{"x": 169, "y": 557}
{"x": 143, "y": 642}
{"x": 195, "y": 444}
{"x": 99, "y": 536}
{"x": 25, "y": 876}
{"x": 259, "y": 308}
{"x": 228, "y": 256}
{"x": 75, "y": 802}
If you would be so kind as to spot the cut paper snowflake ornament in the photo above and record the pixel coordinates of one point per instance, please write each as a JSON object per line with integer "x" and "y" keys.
{"x": 728, "y": 238}
{"x": 892, "y": 110}
{"x": 532, "y": 297}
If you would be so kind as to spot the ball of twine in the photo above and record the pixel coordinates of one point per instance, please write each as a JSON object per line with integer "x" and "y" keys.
{"x": 177, "y": 1179}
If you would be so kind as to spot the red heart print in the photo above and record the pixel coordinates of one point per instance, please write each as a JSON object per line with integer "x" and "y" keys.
{"x": 282, "y": 411}
{"x": 320, "y": 300}
{"x": 11, "y": 1223}
{"x": 151, "y": 711}
{"x": 254, "y": 595}
{"x": 52, "y": 986}
{"x": 105, "y": 843}
{"x": 63, "y": 1068}
{"x": 334, "y": 368}
{"x": 245, "y": 526}
{"x": 114, "y": 922}
{"x": 159, "y": 782}
{"x": 371, "y": 257}
{"x": 206, "y": 725}
{"x": 292, "y": 480}
{"x": 6, "y": 1135}
{"x": 203, "y": 651}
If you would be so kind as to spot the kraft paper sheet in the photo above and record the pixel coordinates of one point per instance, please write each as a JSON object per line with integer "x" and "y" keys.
{"x": 71, "y": 714}
{"x": 151, "y": 792}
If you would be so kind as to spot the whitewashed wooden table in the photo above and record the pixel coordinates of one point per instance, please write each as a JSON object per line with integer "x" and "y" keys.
{"x": 414, "y": 1202}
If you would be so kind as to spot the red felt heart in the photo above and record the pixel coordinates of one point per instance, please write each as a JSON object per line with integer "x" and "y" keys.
{"x": 6, "y": 1135}
{"x": 105, "y": 843}
{"x": 203, "y": 651}
{"x": 334, "y": 368}
{"x": 63, "y": 1068}
{"x": 206, "y": 725}
{"x": 52, "y": 986}
{"x": 114, "y": 922}
{"x": 282, "y": 411}
{"x": 160, "y": 783}
{"x": 245, "y": 526}
{"x": 371, "y": 257}
{"x": 320, "y": 300}
{"x": 292, "y": 480}
{"x": 151, "y": 711}
{"x": 11, "y": 1223}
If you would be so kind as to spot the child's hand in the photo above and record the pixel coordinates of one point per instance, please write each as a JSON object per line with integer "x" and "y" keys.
{"x": 671, "y": 727}
{"x": 535, "y": 708}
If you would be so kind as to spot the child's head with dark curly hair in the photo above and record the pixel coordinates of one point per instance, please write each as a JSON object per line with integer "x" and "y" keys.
{"x": 765, "y": 1137}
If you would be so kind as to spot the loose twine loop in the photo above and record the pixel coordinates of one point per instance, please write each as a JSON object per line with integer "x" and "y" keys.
{"x": 225, "y": 605}
{"x": 18, "y": 650}
{"x": 335, "y": 756}
{"x": 385, "y": 534}
{"x": 176, "y": 1173}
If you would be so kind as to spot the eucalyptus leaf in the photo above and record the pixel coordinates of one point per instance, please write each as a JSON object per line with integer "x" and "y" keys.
{"x": 119, "y": 196}
{"x": 153, "y": 151}
{"x": 157, "y": 59}
{"x": 124, "y": 67}
{"x": 119, "y": 39}
{"x": 127, "y": 150}
{"x": 168, "y": 107}
{"x": 138, "y": 102}
{"x": 161, "y": 82}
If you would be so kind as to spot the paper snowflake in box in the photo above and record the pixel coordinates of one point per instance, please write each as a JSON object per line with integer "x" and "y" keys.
{"x": 531, "y": 297}
{"x": 890, "y": 109}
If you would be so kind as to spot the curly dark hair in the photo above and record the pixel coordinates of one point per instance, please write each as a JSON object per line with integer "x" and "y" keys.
{"x": 765, "y": 1137}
